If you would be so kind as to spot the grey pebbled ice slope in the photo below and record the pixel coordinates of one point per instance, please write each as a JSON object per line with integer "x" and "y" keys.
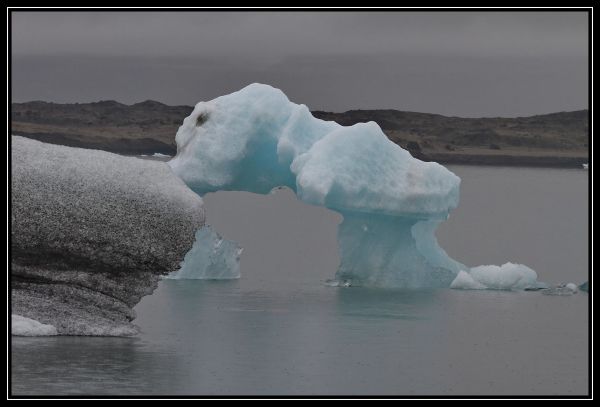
{"x": 91, "y": 234}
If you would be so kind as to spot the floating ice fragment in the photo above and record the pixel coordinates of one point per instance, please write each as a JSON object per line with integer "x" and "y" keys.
{"x": 509, "y": 276}
{"x": 22, "y": 326}
{"x": 338, "y": 283}
{"x": 562, "y": 289}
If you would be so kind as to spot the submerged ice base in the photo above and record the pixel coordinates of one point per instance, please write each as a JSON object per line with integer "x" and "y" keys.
{"x": 392, "y": 251}
{"x": 210, "y": 258}
{"x": 256, "y": 139}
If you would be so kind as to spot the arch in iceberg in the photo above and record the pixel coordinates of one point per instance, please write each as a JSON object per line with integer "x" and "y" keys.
{"x": 255, "y": 140}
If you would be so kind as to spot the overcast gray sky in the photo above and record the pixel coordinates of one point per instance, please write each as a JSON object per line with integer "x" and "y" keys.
{"x": 453, "y": 63}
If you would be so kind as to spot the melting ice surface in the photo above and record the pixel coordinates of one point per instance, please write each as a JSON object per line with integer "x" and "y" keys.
{"x": 256, "y": 139}
{"x": 210, "y": 258}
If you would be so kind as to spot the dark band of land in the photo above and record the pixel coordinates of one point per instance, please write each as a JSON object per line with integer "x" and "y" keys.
{"x": 550, "y": 140}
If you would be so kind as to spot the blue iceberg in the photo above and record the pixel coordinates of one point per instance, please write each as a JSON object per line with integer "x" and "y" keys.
{"x": 256, "y": 139}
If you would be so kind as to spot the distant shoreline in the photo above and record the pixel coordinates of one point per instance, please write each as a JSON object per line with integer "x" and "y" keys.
{"x": 127, "y": 147}
{"x": 557, "y": 140}
{"x": 511, "y": 160}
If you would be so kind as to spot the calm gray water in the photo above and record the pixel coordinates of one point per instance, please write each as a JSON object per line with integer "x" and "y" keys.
{"x": 279, "y": 330}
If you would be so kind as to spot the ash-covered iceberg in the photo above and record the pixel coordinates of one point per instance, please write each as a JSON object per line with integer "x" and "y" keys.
{"x": 256, "y": 139}
{"x": 91, "y": 234}
{"x": 211, "y": 258}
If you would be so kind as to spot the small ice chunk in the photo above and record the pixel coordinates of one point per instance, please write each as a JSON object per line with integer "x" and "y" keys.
{"x": 562, "y": 289}
{"x": 159, "y": 155}
{"x": 539, "y": 286}
{"x": 572, "y": 287}
{"x": 509, "y": 276}
{"x": 338, "y": 283}
{"x": 22, "y": 326}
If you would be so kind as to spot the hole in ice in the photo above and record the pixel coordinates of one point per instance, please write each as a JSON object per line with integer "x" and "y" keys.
{"x": 201, "y": 119}
{"x": 286, "y": 241}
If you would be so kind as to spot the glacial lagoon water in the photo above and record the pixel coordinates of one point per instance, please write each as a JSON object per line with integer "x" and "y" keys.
{"x": 281, "y": 330}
